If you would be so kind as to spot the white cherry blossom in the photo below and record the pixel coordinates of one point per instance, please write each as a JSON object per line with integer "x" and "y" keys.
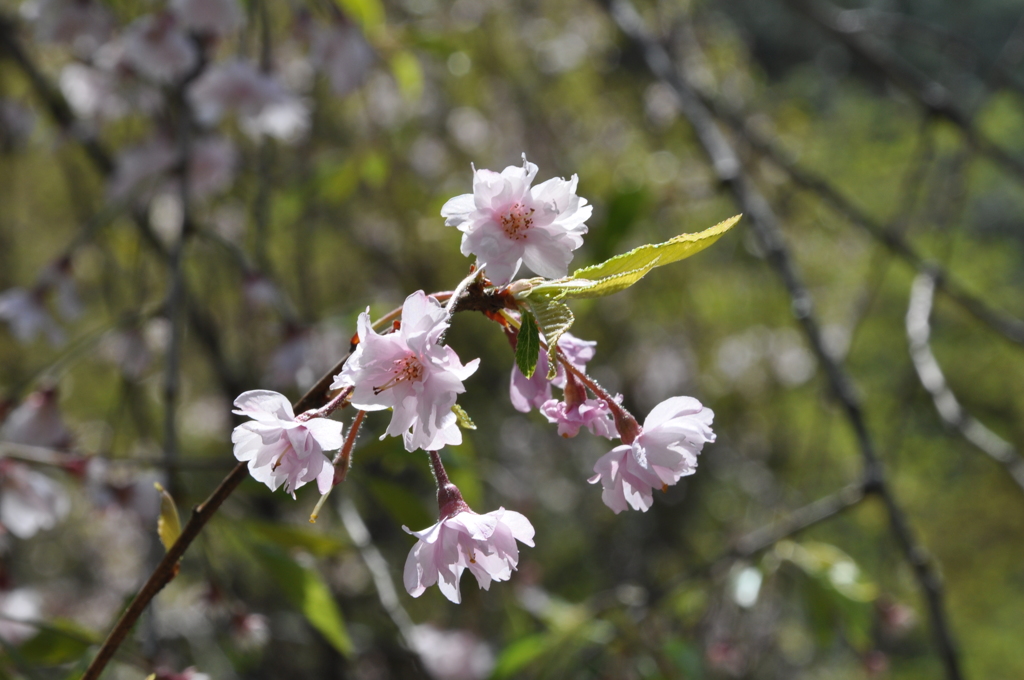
{"x": 409, "y": 372}
{"x": 484, "y": 544}
{"x": 505, "y": 222}
{"x": 664, "y": 451}
{"x": 37, "y": 422}
{"x": 342, "y": 53}
{"x": 281, "y": 449}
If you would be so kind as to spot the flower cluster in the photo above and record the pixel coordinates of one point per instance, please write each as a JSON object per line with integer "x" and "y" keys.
{"x": 401, "y": 364}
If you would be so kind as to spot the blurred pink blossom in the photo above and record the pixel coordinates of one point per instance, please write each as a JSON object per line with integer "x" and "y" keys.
{"x": 452, "y": 654}
{"x": 83, "y": 25}
{"x": 26, "y": 316}
{"x": 37, "y": 422}
{"x": 662, "y": 453}
{"x": 410, "y": 373}
{"x": 211, "y": 167}
{"x": 208, "y": 17}
{"x": 30, "y": 501}
{"x": 21, "y": 604}
{"x": 263, "y": 105}
{"x": 505, "y": 222}
{"x": 341, "y": 51}
{"x": 484, "y": 544}
{"x": 281, "y": 449}
{"x": 157, "y": 49}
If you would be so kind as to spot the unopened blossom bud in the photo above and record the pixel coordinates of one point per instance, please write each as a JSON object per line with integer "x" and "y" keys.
{"x": 663, "y": 451}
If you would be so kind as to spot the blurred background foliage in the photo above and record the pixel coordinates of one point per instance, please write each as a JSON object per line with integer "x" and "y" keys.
{"x": 311, "y": 230}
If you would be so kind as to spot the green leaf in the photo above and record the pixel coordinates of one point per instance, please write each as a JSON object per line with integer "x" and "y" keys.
{"x": 408, "y": 74}
{"x": 462, "y": 418}
{"x": 520, "y": 654}
{"x": 528, "y": 346}
{"x": 554, "y": 319}
{"x": 288, "y": 537}
{"x": 306, "y": 589}
{"x": 58, "y": 642}
{"x": 622, "y": 271}
{"x": 369, "y": 13}
{"x": 168, "y": 525}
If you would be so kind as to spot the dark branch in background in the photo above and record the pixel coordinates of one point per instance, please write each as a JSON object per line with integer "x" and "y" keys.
{"x": 53, "y": 100}
{"x": 800, "y": 520}
{"x": 931, "y": 95}
{"x": 928, "y": 370}
{"x": 1010, "y": 328}
{"x": 730, "y": 172}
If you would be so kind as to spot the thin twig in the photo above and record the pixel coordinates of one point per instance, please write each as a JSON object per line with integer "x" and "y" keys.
{"x": 730, "y": 172}
{"x": 930, "y": 373}
{"x": 1010, "y": 328}
{"x": 799, "y": 520}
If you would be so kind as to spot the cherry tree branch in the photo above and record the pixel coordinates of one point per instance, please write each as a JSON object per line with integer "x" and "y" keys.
{"x": 765, "y": 225}
{"x": 930, "y": 373}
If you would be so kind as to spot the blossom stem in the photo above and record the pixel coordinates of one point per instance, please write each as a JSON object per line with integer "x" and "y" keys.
{"x": 457, "y": 294}
{"x": 449, "y": 498}
{"x": 338, "y": 401}
{"x": 343, "y": 460}
{"x": 625, "y": 423}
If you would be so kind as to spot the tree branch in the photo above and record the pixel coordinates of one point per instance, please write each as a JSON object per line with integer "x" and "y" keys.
{"x": 765, "y": 225}
{"x": 930, "y": 373}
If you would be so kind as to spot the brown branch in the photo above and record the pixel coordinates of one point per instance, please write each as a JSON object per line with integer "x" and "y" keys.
{"x": 765, "y": 225}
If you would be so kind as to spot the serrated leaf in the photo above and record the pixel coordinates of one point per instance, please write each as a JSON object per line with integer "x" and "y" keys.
{"x": 554, "y": 318}
{"x": 528, "y": 345}
{"x": 462, "y": 418}
{"x": 306, "y": 589}
{"x": 622, "y": 271}
{"x": 168, "y": 526}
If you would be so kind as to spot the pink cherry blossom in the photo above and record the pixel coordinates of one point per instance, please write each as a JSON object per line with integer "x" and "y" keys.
{"x": 505, "y": 222}
{"x": 484, "y": 544}
{"x": 37, "y": 422}
{"x": 157, "y": 48}
{"x": 280, "y": 448}
{"x": 592, "y": 414}
{"x": 30, "y": 501}
{"x": 409, "y": 372}
{"x": 664, "y": 451}
{"x": 533, "y": 392}
{"x": 24, "y": 312}
{"x": 208, "y": 17}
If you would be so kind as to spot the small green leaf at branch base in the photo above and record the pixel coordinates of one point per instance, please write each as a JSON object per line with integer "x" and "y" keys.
{"x": 168, "y": 526}
{"x": 528, "y": 345}
{"x": 462, "y": 418}
{"x": 554, "y": 318}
